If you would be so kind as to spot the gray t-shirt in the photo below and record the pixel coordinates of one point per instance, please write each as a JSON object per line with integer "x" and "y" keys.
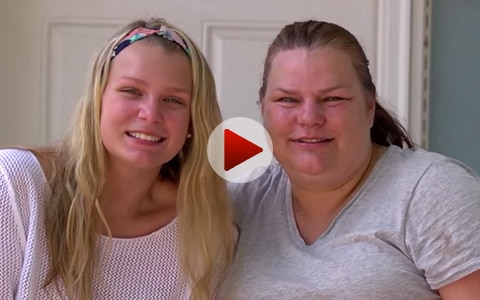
{"x": 413, "y": 227}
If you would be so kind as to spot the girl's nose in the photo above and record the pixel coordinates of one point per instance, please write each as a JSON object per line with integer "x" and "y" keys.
{"x": 150, "y": 111}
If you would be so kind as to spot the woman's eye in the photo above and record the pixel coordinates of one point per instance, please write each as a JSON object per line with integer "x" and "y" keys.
{"x": 287, "y": 100}
{"x": 333, "y": 98}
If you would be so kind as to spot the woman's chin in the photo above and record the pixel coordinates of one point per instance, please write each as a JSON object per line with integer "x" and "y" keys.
{"x": 311, "y": 168}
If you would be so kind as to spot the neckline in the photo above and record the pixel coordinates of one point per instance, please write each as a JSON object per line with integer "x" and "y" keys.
{"x": 106, "y": 238}
{"x": 288, "y": 205}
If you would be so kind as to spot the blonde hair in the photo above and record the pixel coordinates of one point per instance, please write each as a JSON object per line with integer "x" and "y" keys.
{"x": 206, "y": 231}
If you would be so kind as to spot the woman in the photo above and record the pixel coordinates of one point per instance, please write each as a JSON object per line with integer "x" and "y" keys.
{"x": 127, "y": 206}
{"x": 352, "y": 210}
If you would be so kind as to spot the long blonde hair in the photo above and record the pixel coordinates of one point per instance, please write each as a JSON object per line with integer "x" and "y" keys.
{"x": 206, "y": 235}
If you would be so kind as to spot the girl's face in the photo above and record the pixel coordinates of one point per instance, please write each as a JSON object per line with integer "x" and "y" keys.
{"x": 146, "y": 106}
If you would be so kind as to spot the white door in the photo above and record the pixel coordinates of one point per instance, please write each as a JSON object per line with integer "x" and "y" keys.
{"x": 47, "y": 45}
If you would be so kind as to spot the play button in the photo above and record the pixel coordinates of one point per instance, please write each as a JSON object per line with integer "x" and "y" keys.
{"x": 239, "y": 149}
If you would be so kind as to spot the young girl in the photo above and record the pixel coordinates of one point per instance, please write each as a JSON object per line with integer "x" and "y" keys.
{"x": 126, "y": 207}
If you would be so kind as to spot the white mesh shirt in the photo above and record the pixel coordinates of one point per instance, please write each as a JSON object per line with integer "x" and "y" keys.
{"x": 138, "y": 268}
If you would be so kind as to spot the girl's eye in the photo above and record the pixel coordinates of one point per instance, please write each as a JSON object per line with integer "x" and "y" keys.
{"x": 173, "y": 100}
{"x": 132, "y": 91}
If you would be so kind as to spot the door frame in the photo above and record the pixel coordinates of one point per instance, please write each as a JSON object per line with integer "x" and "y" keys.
{"x": 403, "y": 62}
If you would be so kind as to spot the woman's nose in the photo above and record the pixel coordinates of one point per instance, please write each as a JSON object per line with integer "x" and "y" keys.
{"x": 311, "y": 113}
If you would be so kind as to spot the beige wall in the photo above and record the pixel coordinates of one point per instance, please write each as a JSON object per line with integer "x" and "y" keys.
{"x": 16, "y": 61}
{"x": 4, "y": 66}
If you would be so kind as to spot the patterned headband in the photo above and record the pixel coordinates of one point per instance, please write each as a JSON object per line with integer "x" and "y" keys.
{"x": 141, "y": 33}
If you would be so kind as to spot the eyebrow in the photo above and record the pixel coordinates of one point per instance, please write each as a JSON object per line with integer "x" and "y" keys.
{"x": 325, "y": 90}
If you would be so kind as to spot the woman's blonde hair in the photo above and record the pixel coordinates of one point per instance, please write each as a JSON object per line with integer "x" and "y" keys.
{"x": 73, "y": 211}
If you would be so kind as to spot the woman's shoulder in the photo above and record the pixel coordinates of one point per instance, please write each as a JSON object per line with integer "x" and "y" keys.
{"x": 422, "y": 167}
{"x": 269, "y": 178}
{"x": 418, "y": 160}
{"x": 248, "y": 195}
{"x": 415, "y": 156}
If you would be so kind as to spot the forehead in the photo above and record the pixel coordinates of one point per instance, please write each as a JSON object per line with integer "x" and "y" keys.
{"x": 308, "y": 64}
{"x": 152, "y": 62}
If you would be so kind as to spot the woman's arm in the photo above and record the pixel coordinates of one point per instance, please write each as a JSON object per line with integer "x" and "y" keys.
{"x": 443, "y": 229}
{"x": 466, "y": 288}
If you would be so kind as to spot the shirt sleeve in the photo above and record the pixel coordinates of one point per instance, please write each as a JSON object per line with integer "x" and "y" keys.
{"x": 443, "y": 223}
{"x": 11, "y": 243}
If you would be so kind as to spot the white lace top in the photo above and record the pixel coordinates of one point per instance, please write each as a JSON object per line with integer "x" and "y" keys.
{"x": 146, "y": 267}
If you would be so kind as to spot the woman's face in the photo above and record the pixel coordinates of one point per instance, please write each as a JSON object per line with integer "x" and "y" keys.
{"x": 146, "y": 106}
{"x": 317, "y": 114}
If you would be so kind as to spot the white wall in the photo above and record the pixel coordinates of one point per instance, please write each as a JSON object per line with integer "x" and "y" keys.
{"x": 46, "y": 46}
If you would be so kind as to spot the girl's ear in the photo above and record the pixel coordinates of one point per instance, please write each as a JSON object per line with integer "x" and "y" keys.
{"x": 371, "y": 105}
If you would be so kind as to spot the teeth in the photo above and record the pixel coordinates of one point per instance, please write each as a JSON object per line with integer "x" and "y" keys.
{"x": 145, "y": 137}
{"x": 312, "y": 140}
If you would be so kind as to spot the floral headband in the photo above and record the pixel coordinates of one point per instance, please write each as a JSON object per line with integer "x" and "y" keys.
{"x": 141, "y": 33}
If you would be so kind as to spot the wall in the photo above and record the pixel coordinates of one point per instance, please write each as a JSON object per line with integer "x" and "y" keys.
{"x": 13, "y": 63}
{"x": 454, "y": 127}
{"x": 4, "y": 55}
